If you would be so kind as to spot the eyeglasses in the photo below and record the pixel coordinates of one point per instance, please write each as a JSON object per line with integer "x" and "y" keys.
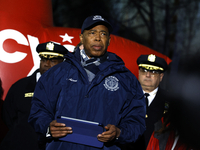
{"x": 151, "y": 72}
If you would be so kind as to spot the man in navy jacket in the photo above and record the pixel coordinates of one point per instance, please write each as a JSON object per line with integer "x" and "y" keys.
{"x": 94, "y": 85}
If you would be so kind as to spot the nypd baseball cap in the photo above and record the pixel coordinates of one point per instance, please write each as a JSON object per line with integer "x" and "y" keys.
{"x": 95, "y": 20}
{"x": 51, "y": 50}
{"x": 152, "y": 62}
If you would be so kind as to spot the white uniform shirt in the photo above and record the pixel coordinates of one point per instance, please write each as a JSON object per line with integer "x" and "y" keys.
{"x": 151, "y": 96}
{"x": 38, "y": 75}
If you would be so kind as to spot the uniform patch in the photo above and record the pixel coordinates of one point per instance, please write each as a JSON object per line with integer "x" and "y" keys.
{"x": 28, "y": 94}
{"x": 111, "y": 83}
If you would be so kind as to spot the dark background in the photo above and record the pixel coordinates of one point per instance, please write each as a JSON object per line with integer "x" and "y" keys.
{"x": 171, "y": 27}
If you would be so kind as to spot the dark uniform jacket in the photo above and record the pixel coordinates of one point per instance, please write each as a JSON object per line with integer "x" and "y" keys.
{"x": 154, "y": 113}
{"x": 16, "y": 109}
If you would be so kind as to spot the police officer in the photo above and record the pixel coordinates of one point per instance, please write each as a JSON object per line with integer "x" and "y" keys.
{"x": 151, "y": 73}
{"x": 17, "y": 104}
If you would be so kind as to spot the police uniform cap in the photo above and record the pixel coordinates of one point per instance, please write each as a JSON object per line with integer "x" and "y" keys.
{"x": 95, "y": 20}
{"x": 152, "y": 62}
{"x": 51, "y": 50}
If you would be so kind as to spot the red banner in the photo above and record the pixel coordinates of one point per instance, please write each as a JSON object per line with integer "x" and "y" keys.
{"x": 25, "y": 24}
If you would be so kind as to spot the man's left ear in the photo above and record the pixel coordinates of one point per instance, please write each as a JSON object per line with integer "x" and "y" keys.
{"x": 109, "y": 41}
{"x": 161, "y": 76}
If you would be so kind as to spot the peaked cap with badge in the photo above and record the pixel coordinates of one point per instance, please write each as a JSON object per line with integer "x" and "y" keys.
{"x": 51, "y": 50}
{"x": 152, "y": 62}
{"x": 95, "y": 20}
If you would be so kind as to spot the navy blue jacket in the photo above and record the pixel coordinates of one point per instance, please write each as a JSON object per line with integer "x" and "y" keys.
{"x": 113, "y": 97}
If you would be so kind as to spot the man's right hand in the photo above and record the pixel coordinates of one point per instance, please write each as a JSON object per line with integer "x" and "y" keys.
{"x": 59, "y": 129}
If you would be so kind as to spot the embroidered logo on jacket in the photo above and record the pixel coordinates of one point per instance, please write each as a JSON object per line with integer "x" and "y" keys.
{"x": 111, "y": 83}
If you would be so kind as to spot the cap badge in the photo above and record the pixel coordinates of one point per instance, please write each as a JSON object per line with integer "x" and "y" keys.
{"x": 151, "y": 58}
{"x": 50, "y": 46}
{"x": 97, "y": 17}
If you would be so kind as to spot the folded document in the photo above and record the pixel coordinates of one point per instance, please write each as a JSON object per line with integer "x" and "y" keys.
{"x": 84, "y": 132}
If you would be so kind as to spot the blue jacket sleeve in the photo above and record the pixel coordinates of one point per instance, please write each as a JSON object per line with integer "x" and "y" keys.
{"x": 132, "y": 124}
{"x": 42, "y": 106}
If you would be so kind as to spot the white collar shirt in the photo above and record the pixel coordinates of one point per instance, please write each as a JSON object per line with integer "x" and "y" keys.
{"x": 151, "y": 96}
{"x": 38, "y": 75}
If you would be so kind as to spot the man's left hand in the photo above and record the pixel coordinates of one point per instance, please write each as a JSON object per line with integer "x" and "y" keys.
{"x": 111, "y": 133}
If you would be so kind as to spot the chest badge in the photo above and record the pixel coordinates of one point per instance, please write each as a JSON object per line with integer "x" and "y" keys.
{"x": 28, "y": 94}
{"x": 111, "y": 83}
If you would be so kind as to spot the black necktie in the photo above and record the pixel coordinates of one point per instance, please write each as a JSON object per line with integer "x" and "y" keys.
{"x": 146, "y": 97}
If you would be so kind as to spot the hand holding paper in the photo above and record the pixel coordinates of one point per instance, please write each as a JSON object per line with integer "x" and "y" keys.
{"x": 84, "y": 131}
{"x": 59, "y": 129}
{"x": 112, "y": 132}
